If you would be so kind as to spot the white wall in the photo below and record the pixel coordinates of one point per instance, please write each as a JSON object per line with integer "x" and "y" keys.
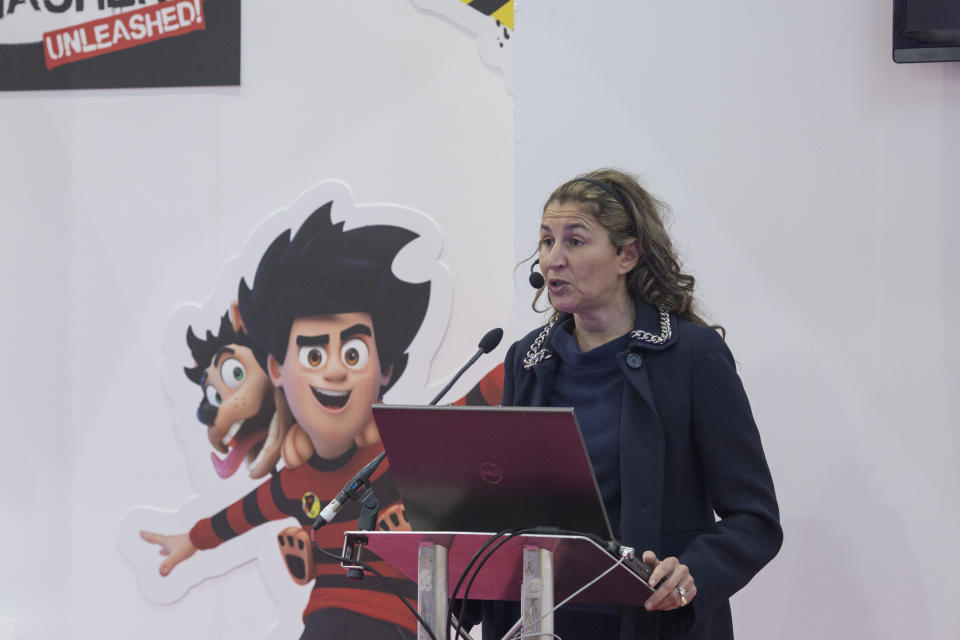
{"x": 35, "y": 383}
{"x": 815, "y": 189}
{"x": 118, "y": 206}
{"x": 816, "y": 201}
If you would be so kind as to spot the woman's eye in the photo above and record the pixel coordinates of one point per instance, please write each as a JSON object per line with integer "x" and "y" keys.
{"x": 576, "y": 242}
{"x": 546, "y": 242}
{"x": 232, "y": 373}
{"x": 313, "y": 357}
{"x": 354, "y": 353}
{"x": 213, "y": 396}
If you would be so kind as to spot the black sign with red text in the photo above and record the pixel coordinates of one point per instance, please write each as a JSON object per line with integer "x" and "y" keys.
{"x": 99, "y": 44}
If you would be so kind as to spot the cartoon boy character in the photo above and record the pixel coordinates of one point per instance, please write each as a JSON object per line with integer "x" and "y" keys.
{"x": 334, "y": 323}
{"x": 244, "y": 420}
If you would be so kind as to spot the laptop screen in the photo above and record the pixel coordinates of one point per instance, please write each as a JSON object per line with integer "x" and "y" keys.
{"x": 488, "y": 469}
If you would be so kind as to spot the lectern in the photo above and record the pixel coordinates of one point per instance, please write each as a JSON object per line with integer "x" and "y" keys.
{"x": 537, "y": 570}
{"x": 462, "y": 471}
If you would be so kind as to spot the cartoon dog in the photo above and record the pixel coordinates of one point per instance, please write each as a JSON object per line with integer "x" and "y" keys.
{"x": 245, "y": 415}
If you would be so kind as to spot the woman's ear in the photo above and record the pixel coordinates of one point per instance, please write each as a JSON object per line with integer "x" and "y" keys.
{"x": 629, "y": 255}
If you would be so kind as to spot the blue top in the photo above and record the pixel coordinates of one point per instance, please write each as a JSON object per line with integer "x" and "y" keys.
{"x": 591, "y": 382}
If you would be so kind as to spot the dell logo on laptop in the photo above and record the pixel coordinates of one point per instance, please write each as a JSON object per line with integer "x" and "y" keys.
{"x": 490, "y": 473}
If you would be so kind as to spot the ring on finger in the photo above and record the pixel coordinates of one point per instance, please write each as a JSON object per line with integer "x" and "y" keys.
{"x": 683, "y": 595}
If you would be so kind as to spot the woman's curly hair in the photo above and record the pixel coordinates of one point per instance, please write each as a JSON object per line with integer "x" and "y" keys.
{"x": 657, "y": 278}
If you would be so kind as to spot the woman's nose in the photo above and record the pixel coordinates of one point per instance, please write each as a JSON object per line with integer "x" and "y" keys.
{"x": 553, "y": 258}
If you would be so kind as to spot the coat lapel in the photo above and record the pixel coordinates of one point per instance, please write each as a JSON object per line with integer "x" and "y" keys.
{"x": 641, "y": 480}
{"x": 641, "y": 460}
{"x": 544, "y": 375}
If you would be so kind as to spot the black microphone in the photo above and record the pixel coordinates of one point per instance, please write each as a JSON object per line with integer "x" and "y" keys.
{"x": 536, "y": 278}
{"x": 351, "y": 491}
{"x": 488, "y": 343}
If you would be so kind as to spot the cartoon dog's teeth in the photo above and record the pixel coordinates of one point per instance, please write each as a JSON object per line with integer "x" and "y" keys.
{"x": 273, "y": 435}
{"x": 232, "y": 432}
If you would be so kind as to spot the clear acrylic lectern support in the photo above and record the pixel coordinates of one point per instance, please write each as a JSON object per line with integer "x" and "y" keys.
{"x": 533, "y": 569}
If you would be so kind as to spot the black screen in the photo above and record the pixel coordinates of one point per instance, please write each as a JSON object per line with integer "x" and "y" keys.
{"x": 926, "y": 30}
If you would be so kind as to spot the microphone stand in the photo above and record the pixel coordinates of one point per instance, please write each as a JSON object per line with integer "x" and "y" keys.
{"x": 359, "y": 488}
{"x": 366, "y": 522}
{"x": 456, "y": 377}
{"x": 488, "y": 343}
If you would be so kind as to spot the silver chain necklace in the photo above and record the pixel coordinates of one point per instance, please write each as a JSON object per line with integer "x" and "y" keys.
{"x": 665, "y": 331}
{"x": 538, "y": 354}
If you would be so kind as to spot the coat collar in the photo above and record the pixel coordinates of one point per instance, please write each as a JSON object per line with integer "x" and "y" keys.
{"x": 653, "y": 329}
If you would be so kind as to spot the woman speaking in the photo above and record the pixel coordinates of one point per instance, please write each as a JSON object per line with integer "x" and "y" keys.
{"x": 666, "y": 421}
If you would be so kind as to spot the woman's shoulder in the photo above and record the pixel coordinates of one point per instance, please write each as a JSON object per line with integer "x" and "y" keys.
{"x": 691, "y": 332}
{"x": 700, "y": 341}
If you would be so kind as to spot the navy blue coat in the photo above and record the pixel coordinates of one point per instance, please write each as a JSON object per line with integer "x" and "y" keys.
{"x": 689, "y": 448}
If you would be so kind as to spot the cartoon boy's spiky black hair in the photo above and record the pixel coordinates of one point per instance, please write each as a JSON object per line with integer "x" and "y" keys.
{"x": 203, "y": 351}
{"x": 326, "y": 270}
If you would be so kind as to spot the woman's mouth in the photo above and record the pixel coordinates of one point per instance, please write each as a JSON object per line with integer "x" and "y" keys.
{"x": 330, "y": 398}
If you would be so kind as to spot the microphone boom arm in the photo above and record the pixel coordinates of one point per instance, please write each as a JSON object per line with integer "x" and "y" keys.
{"x": 488, "y": 343}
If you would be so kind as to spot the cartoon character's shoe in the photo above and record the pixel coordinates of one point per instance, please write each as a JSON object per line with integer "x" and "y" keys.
{"x": 297, "y": 551}
{"x": 393, "y": 518}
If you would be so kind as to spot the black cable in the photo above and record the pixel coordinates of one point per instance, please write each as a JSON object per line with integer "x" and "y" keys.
{"x": 385, "y": 580}
{"x": 536, "y": 530}
{"x": 509, "y": 533}
{"x": 476, "y": 555}
{"x": 463, "y": 575}
{"x": 610, "y": 546}
{"x": 613, "y": 547}
{"x": 506, "y": 534}
{"x": 476, "y": 572}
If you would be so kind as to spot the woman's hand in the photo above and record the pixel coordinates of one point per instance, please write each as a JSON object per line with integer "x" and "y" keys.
{"x": 676, "y": 584}
{"x": 177, "y": 549}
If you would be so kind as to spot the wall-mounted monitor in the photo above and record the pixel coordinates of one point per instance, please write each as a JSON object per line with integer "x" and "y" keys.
{"x": 926, "y": 30}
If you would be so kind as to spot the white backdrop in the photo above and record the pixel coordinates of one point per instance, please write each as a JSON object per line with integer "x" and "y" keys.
{"x": 118, "y": 206}
{"x": 815, "y": 193}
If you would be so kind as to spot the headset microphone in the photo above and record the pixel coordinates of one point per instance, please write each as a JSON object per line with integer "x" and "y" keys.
{"x": 536, "y": 278}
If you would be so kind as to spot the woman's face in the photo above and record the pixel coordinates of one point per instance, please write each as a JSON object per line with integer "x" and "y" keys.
{"x": 583, "y": 273}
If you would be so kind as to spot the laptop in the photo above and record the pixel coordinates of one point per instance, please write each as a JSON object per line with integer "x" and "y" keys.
{"x": 489, "y": 469}
{"x": 466, "y": 472}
